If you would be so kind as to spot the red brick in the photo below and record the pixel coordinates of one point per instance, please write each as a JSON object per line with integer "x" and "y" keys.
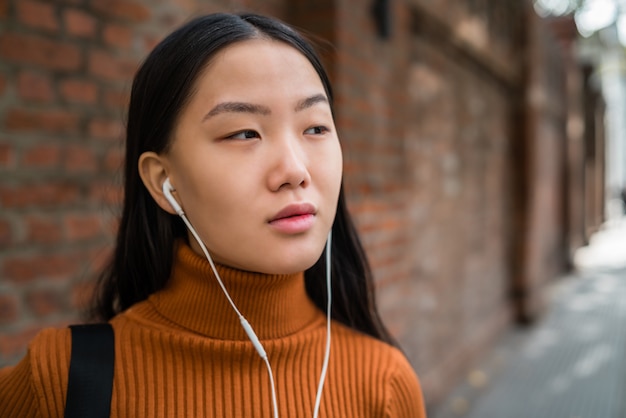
{"x": 37, "y": 14}
{"x": 149, "y": 42}
{"x": 4, "y": 8}
{"x": 106, "y": 129}
{"x": 35, "y": 87}
{"x": 114, "y": 160}
{"x": 79, "y": 91}
{"x": 44, "y": 302}
{"x": 99, "y": 258}
{"x": 38, "y": 195}
{"x": 28, "y": 268}
{"x": 6, "y": 233}
{"x": 42, "y": 230}
{"x": 117, "y": 35}
{"x": 79, "y": 158}
{"x": 37, "y": 50}
{"x": 3, "y": 83}
{"x": 79, "y": 23}
{"x": 110, "y": 67}
{"x": 106, "y": 193}
{"x": 41, "y": 156}
{"x": 116, "y": 98}
{"x": 7, "y": 156}
{"x": 122, "y": 9}
{"x": 9, "y": 308}
{"x": 53, "y": 121}
{"x": 82, "y": 294}
{"x": 82, "y": 227}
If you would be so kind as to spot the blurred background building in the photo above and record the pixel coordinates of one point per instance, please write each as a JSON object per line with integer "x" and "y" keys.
{"x": 474, "y": 145}
{"x": 604, "y": 52}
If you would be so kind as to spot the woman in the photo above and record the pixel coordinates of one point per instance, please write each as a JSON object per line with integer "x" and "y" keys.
{"x": 232, "y": 186}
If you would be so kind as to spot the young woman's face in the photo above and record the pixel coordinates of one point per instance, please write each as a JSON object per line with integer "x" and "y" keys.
{"x": 255, "y": 159}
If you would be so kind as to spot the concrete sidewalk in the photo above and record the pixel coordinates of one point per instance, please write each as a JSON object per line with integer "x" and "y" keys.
{"x": 572, "y": 364}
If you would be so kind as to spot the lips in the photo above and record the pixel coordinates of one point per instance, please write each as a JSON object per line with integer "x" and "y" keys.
{"x": 294, "y": 219}
{"x": 292, "y": 210}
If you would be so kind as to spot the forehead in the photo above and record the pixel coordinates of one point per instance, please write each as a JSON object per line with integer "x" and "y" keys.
{"x": 258, "y": 66}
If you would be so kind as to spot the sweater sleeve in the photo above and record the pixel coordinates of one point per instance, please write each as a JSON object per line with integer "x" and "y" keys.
{"x": 404, "y": 393}
{"x": 36, "y": 386}
{"x": 17, "y": 397}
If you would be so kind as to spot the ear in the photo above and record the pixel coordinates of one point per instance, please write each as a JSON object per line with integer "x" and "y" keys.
{"x": 153, "y": 171}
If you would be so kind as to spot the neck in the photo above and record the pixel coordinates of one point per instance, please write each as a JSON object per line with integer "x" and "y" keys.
{"x": 275, "y": 305}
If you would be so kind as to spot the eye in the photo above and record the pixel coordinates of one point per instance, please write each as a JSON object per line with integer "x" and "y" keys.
{"x": 244, "y": 135}
{"x": 317, "y": 130}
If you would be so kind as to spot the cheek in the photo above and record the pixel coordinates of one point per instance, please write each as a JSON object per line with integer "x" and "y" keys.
{"x": 337, "y": 166}
{"x": 202, "y": 190}
{"x": 219, "y": 196}
{"x": 331, "y": 172}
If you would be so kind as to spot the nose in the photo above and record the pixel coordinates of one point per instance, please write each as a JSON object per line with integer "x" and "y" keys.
{"x": 289, "y": 165}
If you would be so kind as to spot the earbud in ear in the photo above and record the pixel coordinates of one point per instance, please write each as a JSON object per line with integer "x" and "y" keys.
{"x": 167, "y": 191}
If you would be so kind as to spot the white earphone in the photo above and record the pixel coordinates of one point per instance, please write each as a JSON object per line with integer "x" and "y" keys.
{"x": 167, "y": 191}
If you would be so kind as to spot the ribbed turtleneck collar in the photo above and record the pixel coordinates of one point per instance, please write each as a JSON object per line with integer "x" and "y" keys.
{"x": 275, "y": 305}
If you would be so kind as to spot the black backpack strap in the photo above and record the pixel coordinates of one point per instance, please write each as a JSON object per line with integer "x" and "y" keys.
{"x": 91, "y": 371}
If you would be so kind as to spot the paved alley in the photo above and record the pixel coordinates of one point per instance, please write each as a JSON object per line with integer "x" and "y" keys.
{"x": 572, "y": 364}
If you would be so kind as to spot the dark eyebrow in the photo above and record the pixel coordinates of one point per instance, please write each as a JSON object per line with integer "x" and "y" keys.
{"x": 242, "y": 107}
{"x": 310, "y": 101}
{"x": 237, "y": 107}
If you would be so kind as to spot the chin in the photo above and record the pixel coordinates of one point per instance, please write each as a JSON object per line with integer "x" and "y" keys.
{"x": 288, "y": 267}
{"x": 278, "y": 257}
{"x": 289, "y": 263}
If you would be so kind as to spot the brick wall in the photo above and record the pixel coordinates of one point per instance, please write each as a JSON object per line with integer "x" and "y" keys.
{"x": 65, "y": 73}
{"x": 552, "y": 221}
{"x": 440, "y": 149}
{"x": 65, "y": 68}
{"x": 426, "y": 129}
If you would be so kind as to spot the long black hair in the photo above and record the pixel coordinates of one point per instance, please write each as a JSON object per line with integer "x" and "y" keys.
{"x": 142, "y": 260}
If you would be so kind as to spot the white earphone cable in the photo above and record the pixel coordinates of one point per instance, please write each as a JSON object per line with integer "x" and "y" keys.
{"x": 246, "y": 326}
{"x": 320, "y": 388}
{"x": 208, "y": 257}
{"x": 274, "y": 401}
{"x": 244, "y": 323}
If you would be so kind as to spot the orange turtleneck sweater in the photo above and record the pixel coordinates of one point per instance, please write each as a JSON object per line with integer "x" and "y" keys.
{"x": 182, "y": 353}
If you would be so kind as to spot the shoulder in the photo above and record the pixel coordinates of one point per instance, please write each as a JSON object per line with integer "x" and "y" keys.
{"x": 49, "y": 353}
{"x": 383, "y": 365}
{"x": 51, "y": 338}
{"x": 404, "y": 393}
{"x": 37, "y": 383}
{"x": 363, "y": 347}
